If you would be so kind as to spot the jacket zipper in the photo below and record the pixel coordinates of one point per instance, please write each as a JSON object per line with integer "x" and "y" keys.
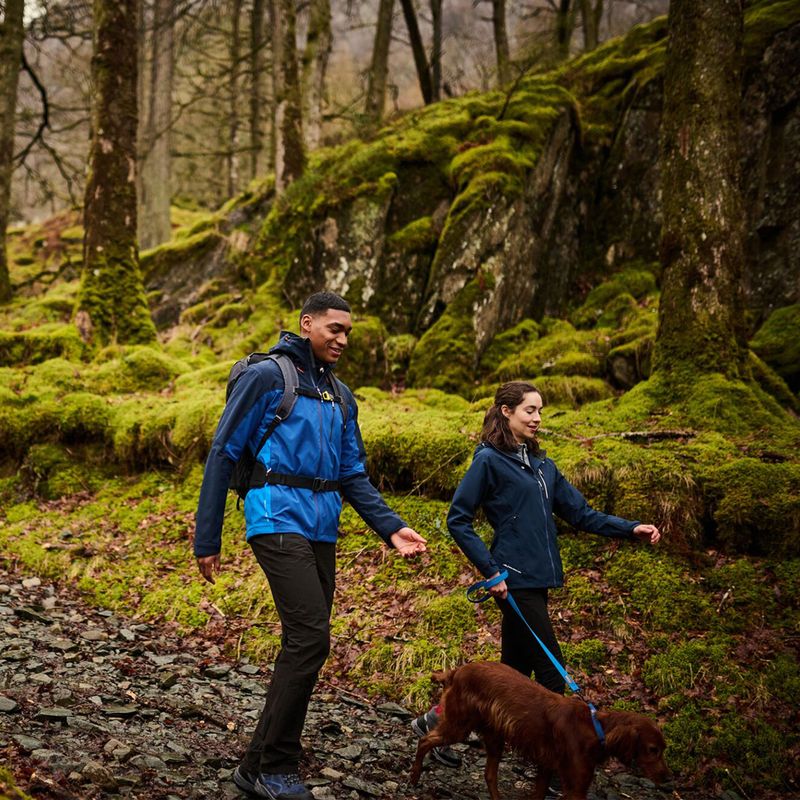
{"x": 544, "y": 494}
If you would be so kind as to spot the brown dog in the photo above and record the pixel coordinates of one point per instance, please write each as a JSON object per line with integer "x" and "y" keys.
{"x": 554, "y": 732}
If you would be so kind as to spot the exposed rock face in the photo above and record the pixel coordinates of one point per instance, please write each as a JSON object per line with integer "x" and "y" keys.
{"x": 588, "y": 204}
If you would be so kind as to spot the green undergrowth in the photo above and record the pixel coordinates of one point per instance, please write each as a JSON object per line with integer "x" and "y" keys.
{"x": 703, "y": 640}
{"x": 8, "y": 787}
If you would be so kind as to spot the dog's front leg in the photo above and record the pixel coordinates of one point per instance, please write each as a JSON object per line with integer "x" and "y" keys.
{"x": 494, "y": 750}
{"x": 416, "y": 769}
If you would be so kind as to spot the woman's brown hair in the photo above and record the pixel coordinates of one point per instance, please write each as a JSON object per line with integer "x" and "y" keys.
{"x": 496, "y": 430}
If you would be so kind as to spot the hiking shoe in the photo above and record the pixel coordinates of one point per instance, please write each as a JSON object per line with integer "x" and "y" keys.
{"x": 281, "y": 787}
{"x": 424, "y": 725}
{"x": 244, "y": 780}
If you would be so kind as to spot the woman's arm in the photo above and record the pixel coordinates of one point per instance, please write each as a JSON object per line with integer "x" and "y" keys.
{"x": 468, "y": 497}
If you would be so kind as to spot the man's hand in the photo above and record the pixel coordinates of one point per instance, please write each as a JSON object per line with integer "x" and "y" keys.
{"x": 208, "y": 565}
{"x": 647, "y": 533}
{"x": 408, "y": 542}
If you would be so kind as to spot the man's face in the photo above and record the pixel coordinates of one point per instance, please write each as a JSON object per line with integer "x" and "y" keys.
{"x": 327, "y": 333}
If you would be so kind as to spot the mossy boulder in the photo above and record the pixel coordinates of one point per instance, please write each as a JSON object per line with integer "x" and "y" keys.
{"x": 777, "y": 342}
{"x": 40, "y": 344}
{"x": 134, "y": 368}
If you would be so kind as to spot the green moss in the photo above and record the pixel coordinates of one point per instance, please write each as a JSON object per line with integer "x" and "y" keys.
{"x": 754, "y": 505}
{"x": 772, "y": 383}
{"x": 683, "y": 666}
{"x": 667, "y": 597}
{"x": 588, "y": 655}
{"x": 445, "y": 356}
{"x": 599, "y": 308}
{"x": 205, "y": 310}
{"x": 40, "y": 344}
{"x": 447, "y": 617}
{"x": 55, "y": 376}
{"x": 134, "y": 368}
{"x": 418, "y": 236}
{"x": 752, "y": 748}
{"x": 777, "y": 342}
{"x": 159, "y": 260}
{"x": 561, "y": 350}
{"x": 687, "y": 732}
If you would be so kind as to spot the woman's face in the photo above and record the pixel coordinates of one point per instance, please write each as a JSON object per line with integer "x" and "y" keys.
{"x": 524, "y": 419}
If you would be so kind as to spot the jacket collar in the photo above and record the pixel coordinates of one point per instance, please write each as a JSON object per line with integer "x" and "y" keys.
{"x": 298, "y": 348}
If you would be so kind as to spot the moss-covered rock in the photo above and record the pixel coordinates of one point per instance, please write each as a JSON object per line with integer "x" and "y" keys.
{"x": 364, "y": 362}
{"x": 40, "y": 344}
{"x": 445, "y": 357}
{"x": 130, "y": 369}
{"x": 777, "y": 342}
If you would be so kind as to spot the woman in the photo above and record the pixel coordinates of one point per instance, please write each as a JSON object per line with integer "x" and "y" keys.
{"x": 519, "y": 490}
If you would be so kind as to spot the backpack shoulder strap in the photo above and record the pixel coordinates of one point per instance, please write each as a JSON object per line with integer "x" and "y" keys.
{"x": 288, "y": 399}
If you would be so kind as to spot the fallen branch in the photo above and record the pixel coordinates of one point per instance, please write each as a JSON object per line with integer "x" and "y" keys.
{"x": 634, "y": 436}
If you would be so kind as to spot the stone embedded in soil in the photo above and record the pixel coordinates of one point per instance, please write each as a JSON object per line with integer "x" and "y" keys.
{"x": 7, "y": 705}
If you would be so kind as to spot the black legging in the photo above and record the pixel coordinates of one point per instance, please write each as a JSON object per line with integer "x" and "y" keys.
{"x": 519, "y": 649}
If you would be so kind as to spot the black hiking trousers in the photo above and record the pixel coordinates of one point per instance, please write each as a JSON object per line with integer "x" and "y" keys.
{"x": 302, "y": 576}
{"x": 519, "y": 649}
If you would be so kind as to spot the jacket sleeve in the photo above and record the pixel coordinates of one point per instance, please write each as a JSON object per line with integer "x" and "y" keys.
{"x": 467, "y": 499}
{"x": 571, "y": 506}
{"x": 356, "y": 485}
{"x": 241, "y": 418}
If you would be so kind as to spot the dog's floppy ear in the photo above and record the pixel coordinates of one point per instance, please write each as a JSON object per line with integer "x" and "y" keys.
{"x": 622, "y": 741}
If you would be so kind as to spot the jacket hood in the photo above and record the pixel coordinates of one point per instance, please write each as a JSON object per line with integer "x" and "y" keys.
{"x": 299, "y": 350}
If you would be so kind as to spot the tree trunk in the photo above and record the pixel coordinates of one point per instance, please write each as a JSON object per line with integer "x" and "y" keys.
{"x": 232, "y": 158}
{"x": 501, "y": 42}
{"x": 591, "y": 15}
{"x": 436, "y": 50}
{"x": 290, "y": 157}
{"x": 12, "y": 36}
{"x": 379, "y": 69}
{"x": 111, "y": 303}
{"x": 702, "y": 243}
{"x": 154, "y": 180}
{"x": 257, "y": 43}
{"x": 565, "y": 25}
{"x": 315, "y": 67}
{"x": 418, "y": 50}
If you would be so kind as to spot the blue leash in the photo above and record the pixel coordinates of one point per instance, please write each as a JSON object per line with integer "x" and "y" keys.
{"x": 479, "y": 592}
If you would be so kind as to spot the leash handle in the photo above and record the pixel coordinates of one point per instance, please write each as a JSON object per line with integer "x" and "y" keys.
{"x": 479, "y": 592}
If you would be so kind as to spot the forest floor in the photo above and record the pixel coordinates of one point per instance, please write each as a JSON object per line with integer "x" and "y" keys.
{"x": 93, "y": 705}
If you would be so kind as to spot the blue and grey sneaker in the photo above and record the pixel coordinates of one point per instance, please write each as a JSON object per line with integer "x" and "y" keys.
{"x": 282, "y": 787}
{"x": 444, "y": 755}
{"x": 244, "y": 780}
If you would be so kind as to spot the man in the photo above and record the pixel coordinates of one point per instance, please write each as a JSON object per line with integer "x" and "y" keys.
{"x": 292, "y": 517}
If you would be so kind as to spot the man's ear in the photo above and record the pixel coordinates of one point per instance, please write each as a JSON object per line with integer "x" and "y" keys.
{"x": 305, "y": 323}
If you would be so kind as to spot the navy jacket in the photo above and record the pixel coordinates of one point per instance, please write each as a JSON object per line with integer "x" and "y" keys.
{"x": 313, "y": 442}
{"x": 519, "y": 502}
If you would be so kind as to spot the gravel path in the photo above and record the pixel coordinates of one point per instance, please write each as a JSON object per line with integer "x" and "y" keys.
{"x": 96, "y": 706}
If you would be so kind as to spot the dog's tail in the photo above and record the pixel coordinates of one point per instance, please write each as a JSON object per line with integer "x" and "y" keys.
{"x": 444, "y": 677}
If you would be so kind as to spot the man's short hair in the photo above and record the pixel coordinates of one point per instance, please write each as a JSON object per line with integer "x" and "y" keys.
{"x": 320, "y": 302}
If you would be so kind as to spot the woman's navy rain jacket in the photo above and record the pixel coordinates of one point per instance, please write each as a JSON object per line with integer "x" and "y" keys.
{"x": 519, "y": 502}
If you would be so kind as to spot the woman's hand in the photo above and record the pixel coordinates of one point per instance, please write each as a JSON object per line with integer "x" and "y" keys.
{"x": 499, "y": 589}
{"x": 647, "y": 533}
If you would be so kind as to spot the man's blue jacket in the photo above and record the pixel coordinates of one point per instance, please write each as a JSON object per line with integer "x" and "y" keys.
{"x": 313, "y": 442}
{"x": 519, "y": 501}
